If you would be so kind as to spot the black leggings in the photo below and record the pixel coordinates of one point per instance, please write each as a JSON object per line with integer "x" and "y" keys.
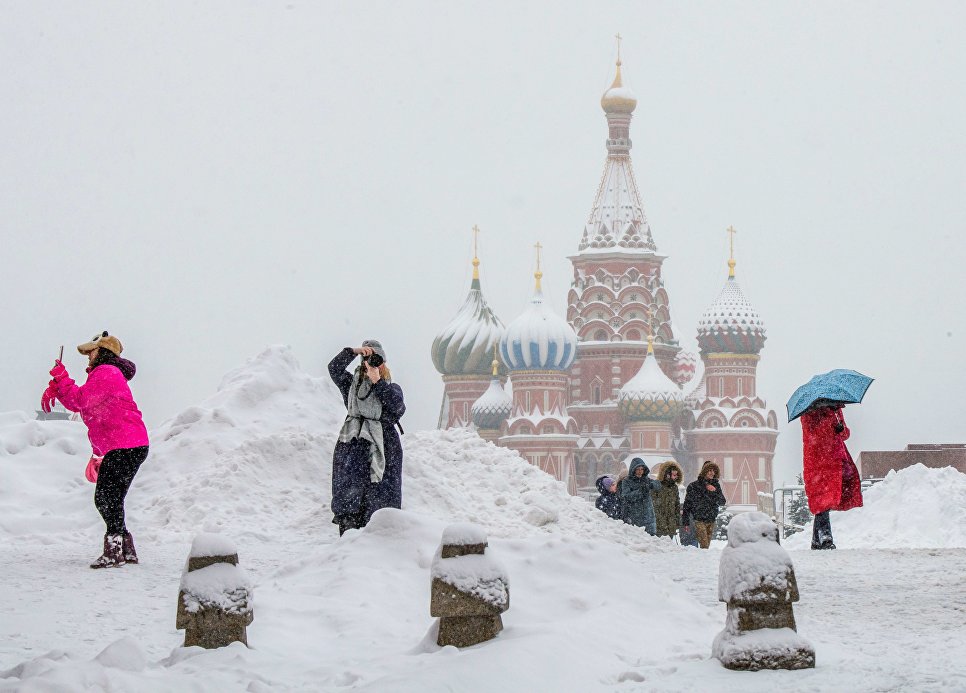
{"x": 113, "y": 480}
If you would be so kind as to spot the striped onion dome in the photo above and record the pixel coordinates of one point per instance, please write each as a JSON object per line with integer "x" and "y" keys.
{"x": 493, "y": 407}
{"x": 685, "y": 364}
{"x": 465, "y": 345}
{"x": 539, "y": 339}
{"x": 731, "y": 325}
{"x": 651, "y": 395}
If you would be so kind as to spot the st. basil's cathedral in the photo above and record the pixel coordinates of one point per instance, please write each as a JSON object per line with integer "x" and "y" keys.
{"x": 611, "y": 381}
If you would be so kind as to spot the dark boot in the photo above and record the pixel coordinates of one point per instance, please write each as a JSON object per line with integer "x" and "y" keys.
{"x": 113, "y": 555}
{"x": 130, "y": 555}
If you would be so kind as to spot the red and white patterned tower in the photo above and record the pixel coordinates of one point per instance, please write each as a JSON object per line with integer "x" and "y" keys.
{"x": 617, "y": 298}
{"x": 732, "y": 425}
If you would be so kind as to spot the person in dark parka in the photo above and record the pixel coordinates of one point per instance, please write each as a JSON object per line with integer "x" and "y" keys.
{"x": 608, "y": 502}
{"x": 635, "y": 495}
{"x": 667, "y": 501}
{"x": 701, "y": 503}
{"x": 368, "y": 457}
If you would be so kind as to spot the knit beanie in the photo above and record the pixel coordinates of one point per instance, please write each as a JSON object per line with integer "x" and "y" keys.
{"x": 607, "y": 482}
{"x": 376, "y": 347}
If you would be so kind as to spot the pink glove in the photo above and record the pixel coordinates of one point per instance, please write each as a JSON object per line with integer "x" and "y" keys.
{"x": 58, "y": 371}
{"x": 93, "y": 467}
{"x": 49, "y": 398}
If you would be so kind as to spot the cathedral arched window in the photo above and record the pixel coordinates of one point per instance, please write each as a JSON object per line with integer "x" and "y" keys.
{"x": 595, "y": 393}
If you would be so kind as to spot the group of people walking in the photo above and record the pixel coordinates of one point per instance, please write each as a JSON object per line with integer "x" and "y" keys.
{"x": 655, "y": 504}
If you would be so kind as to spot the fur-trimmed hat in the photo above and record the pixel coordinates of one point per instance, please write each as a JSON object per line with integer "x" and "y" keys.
{"x": 102, "y": 341}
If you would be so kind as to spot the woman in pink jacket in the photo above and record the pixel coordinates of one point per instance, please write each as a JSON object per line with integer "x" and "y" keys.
{"x": 116, "y": 432}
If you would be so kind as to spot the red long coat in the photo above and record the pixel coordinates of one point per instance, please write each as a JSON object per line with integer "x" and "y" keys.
{"x": 831, "y": 479}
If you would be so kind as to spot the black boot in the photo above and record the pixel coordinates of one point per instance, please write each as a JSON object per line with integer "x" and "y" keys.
{"x": 113, "y": 555}
{"x": 130, "y": 555}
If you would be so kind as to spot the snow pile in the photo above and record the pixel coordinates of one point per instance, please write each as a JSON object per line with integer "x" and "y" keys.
{"x": 456, "y": 476}
{"x": 43, "y": 461}
{"x": 917, "y": 507}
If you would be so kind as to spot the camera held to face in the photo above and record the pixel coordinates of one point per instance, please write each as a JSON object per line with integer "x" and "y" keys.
{"x": 374, "y": 360}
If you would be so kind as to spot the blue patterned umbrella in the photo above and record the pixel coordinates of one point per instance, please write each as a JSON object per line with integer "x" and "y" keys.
{"x": 841, "y": 385}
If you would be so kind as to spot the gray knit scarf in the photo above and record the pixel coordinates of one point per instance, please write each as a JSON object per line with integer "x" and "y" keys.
{"x": 362, "y": 421}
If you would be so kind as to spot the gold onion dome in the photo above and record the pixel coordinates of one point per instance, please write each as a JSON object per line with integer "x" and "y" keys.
{"x": 618, "y": 99}
{"x": 651, "y": 395}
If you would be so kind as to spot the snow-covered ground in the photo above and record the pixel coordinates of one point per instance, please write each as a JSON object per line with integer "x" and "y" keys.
{"x": 595, "y": 604}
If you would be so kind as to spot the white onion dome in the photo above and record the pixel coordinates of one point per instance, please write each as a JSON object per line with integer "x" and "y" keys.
{"x": 493, "y": 407}
{"x": 465, "y": 345}
{"x": 651, "y": 395}
{"x": 618, "y": 98}
{"x": 539, "y": 339}
{"x": 731, "y": 325}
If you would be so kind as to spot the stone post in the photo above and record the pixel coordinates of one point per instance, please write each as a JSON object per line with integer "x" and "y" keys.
{"x": 469, "y": 589}
{"x": 757, "y": 581}
{"x": 215, "y": 599}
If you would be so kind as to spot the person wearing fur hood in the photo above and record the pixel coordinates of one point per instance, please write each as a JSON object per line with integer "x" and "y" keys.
{"x": 702, "y": 501}
{"x": 667, "y": 501}
{"x": 635, "y": 495}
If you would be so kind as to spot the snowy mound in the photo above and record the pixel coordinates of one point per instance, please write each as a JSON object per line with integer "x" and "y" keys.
{"x": 42, "y": 461}
{"x": 914, "y": 508}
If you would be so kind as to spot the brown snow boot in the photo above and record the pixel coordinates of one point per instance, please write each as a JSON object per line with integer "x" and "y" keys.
{"x": 113, "y": 555}
{"x": 130, "y": 555}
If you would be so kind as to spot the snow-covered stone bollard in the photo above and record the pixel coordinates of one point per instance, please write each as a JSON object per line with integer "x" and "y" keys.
{"x": 757, "y": 580}
{"x": 469, "y": 589}
{"x": 215, "y": 601}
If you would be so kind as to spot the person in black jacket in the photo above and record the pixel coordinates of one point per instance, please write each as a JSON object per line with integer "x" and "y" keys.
{"x": 608, "y": 502}
{"x": 701, "y": 503}
{"x": 368, "y": 457}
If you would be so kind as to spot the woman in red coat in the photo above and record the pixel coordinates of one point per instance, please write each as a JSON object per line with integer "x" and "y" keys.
{"x": 831, "y": 479}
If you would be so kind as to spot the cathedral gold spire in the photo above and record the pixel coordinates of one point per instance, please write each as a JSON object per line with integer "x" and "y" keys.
{"x": 496, "y": 361}
{"x": 650, "y": 344}
{"x": 476, "y": 260}
{"x": 538, "y": 275}
{"x": 731, "y": 258}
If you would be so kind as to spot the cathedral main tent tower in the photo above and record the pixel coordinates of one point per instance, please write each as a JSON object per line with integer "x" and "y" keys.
{"x": 612, "y": 381}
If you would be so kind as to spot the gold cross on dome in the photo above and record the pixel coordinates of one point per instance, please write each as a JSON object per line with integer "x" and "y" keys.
{"x": 619, "y": 39}
{"x": 731, "y": 256}
{"x": 476, "y": 235}
{"x": 538, "y": 274}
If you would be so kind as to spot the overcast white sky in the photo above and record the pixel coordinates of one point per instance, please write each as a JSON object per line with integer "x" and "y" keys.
{"x": 205, "y": 179}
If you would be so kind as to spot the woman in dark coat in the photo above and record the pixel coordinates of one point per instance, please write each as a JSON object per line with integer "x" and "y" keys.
{"x": 635, "y": 495}
{"x": 831, "y": 478}
{"x": 667, "y": 501}
{"x": 367, "y": 462}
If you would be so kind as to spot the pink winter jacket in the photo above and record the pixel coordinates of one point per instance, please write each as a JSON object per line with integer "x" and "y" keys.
{"x": 107, "y": 407}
